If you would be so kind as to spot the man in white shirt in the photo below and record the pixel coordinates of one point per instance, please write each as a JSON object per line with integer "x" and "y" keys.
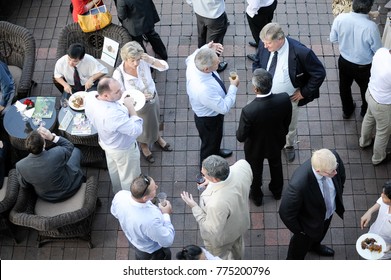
{"x": 212, "y": 23}
{"x": 209, "y": 98}
{"x": 118, "y": 127}
{"x": 78, "y": 71}
{"x": 378, "y": 114}
{"x": 146, "y": 226}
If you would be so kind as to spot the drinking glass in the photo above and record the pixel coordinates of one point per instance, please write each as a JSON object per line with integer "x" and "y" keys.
{"x": 233, "y": 74}
{"x": 64, "y": 104}
{"x": 162, "y": 196}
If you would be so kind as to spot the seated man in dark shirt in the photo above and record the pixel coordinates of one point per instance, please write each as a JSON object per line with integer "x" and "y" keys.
{"x": 54, "y": 174}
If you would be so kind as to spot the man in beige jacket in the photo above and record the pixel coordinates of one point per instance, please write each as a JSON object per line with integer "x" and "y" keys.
{"x": 223, "y": 214}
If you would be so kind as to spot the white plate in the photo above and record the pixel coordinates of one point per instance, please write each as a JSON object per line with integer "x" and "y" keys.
{"x": 138, "y": 96}
{"x": 365, "y": 253}
{"x": 82, "y": 94}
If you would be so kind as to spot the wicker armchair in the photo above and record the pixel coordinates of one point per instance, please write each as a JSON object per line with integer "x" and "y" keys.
{"x": 70, "y": 219}
{"x": 93, "y": 42}
{"x": 8, "y": 196}
{"x": 17, "y": 50}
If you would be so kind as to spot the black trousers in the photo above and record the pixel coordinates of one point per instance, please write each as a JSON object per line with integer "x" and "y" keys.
{"x": 211, "y": 29}
{"x": 161, "y": 254}
{"x": 264, "y": 16}
{"x": 276, "y": 174}
{"x": 349, "y": 72}
{"x": 210, "y": 130}
{"x": 156, "y": 42}
{"x": 300, "y": 243}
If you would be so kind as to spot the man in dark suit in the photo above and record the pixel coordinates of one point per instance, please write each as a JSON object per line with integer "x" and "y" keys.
{"x": 296, "y": 70}
{"x": 263, "y": 127}
{"x": 139, "y": 18}
{"x": 54, "y": 174}
{"x": 307, "y": 205}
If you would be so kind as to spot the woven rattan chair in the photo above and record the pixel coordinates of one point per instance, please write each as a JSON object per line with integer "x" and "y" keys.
{"x": 8, "y": 196}
{"x": 93, "y": 42}
{"x": 67, "y": 220}
{"x": 17, "y": 50}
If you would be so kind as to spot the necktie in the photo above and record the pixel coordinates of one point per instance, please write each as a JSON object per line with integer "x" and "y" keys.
{"x": 273, "y": 64}
{"x": 327, "y": 197}
{"x": 220, "y": 82}
{"x": 76, "y": 80}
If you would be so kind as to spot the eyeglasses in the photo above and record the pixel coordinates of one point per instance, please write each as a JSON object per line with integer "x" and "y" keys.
{"x": 147, "y": 182}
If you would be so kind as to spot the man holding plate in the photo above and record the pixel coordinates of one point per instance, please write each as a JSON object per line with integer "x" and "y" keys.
{"x": 118, "y": 127}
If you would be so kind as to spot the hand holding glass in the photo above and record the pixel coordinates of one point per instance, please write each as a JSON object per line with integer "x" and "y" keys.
{"x": 233, "y": 74}
{"x": 162, "y": 198}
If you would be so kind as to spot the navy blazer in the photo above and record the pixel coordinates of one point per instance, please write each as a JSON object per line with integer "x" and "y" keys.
{"x": 305, "y": 69}
{"x": 302, "y": 207}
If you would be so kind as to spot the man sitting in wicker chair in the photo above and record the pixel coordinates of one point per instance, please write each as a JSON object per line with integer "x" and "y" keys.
{"x": 54, "y": 174}
{"x": 78, "y": 71}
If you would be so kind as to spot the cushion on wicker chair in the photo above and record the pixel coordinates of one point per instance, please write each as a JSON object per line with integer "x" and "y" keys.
{"x": 17, "y": 48}
{"x": 16, "y": 73}
{"x": 74, "y": 224}
{"x": 50, "y": 209}
{"x": 8, "y": 195}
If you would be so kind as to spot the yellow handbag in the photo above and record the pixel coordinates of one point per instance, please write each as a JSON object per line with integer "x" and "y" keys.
{"x": 95, "y": 19}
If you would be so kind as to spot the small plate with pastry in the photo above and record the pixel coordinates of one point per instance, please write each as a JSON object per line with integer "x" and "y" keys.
{"x": 76, "y": 101}
{"x": 371, "y": 246}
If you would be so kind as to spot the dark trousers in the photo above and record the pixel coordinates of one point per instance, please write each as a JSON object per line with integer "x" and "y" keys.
{"x": 264, "y": 16}
{"x": 156, "y": 42}
{"x": 211, "y": 29}
{"x": 349, "y": 72}
{"x": 210, "y": 130}
{"x": 277, "y": 178}
{"x": 161, "y": 254}
{"x": 300, "y": 243}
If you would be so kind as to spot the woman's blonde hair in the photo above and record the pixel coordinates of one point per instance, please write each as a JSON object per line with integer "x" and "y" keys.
{"x": 131, "y": 49}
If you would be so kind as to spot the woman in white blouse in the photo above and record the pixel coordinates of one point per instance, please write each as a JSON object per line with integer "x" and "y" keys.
{"x": 135, "y": 73}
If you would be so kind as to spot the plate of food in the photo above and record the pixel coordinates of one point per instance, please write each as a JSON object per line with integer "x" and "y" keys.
{"x": 138, "y": 96}
{"x": 371, "y": 246}
{"x": 76, "y": 101}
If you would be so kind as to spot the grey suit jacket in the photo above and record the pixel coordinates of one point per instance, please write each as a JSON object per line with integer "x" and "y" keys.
{"x": 49, "y": 174}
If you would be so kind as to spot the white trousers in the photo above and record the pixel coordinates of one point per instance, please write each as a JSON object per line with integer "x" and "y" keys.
{"x": 123, "y": 166}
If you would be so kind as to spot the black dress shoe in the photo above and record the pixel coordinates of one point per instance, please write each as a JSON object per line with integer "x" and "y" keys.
{"x": 253, "y": 44}
{"x": 222, "y": 66}
{"x": 277, "y": 196}
{"x": 289, "y": 153}
{"x": 323, "y": 250}
{"x": 256, "y": 199}
{"x": 225, "y": 153}
{"x": 347, "y": 116}
{"x": 252, "y": 57}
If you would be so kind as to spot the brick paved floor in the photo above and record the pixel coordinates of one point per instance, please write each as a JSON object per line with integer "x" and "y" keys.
{"x": 320, "y": 125}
